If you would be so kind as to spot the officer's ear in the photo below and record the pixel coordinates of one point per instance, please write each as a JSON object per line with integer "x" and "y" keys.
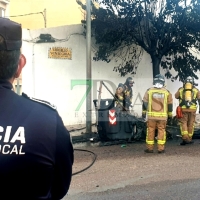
{"x": 22, "y": 63}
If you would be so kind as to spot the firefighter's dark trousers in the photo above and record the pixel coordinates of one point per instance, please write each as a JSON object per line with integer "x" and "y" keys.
{"x": 152, "y": 125}
{"x": 187, "y": 125}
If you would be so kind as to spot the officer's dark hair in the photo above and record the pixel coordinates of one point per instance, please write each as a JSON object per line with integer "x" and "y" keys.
{"x": 8, "y": 62}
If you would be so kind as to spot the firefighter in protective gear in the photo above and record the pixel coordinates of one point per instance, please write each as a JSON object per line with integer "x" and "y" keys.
{"x": 124, "y": 94}
{"x": 188, "y": 96}
{"x": 158, "y": 106}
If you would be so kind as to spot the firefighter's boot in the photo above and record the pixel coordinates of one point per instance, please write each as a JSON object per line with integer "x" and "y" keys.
{"x": 149, "y": 148}
{"x": 148, "y": 151}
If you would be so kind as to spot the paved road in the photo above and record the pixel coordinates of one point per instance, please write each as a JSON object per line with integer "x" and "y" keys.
{"x": 128, "y": 173}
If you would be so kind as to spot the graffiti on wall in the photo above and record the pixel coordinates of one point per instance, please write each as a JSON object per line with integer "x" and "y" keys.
{"x": 60, "y": 53}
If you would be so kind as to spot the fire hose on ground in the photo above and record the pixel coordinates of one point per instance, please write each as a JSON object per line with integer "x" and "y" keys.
{"x": 93, "y": 161}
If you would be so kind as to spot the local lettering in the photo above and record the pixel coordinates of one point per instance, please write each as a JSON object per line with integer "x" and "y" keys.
{"x": 8, "y": 143}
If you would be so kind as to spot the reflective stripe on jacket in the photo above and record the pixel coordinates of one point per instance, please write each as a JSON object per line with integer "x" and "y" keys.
{"x": 158, "y": 103}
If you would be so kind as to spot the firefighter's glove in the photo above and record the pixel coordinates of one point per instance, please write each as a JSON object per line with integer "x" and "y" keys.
{"x": 169, "y": 121}
{"x": 129, "y": 104}
{"x": 144, "y": 115}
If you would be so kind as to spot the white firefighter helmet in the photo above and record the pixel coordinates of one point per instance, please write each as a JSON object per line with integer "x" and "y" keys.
{"x": 189, "y": 79}
{"x": 159, "y": 81}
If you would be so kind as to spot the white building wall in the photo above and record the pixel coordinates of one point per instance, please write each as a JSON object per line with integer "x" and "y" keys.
{"x": 4, "y": 4}
{"x": 59, "y": 80}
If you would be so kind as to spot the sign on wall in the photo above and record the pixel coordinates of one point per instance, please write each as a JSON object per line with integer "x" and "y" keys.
{"x": 60, "y": 53}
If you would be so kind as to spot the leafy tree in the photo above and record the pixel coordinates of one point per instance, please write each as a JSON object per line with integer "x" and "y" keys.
{"x": 168, "y": 30}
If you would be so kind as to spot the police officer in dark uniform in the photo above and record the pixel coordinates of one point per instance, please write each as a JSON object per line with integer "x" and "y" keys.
{"x": 36, "y": 153}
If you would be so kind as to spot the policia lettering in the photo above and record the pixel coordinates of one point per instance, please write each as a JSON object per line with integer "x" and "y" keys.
{"x": 11, "y": 147}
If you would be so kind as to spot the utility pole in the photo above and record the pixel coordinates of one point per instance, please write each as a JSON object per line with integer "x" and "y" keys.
{"x": 88, "y": 67}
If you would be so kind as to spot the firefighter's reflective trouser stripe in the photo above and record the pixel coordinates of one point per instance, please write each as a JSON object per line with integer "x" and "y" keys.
{"x": 152, "y": 125}
{"x": 187, "y": 125}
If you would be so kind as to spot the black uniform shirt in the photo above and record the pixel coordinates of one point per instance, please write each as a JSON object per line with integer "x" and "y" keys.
{"x": 36, "y": 154}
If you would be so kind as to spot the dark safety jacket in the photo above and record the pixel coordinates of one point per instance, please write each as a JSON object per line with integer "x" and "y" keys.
{"x": 195, "y": 99}
{"x": 36, "y": 153}
{"x": 124, "y": 95}
{"x": 157, "y": 103}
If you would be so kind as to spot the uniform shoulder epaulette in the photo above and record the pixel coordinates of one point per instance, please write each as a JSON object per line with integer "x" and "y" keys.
{"x": 40, "y": 101}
